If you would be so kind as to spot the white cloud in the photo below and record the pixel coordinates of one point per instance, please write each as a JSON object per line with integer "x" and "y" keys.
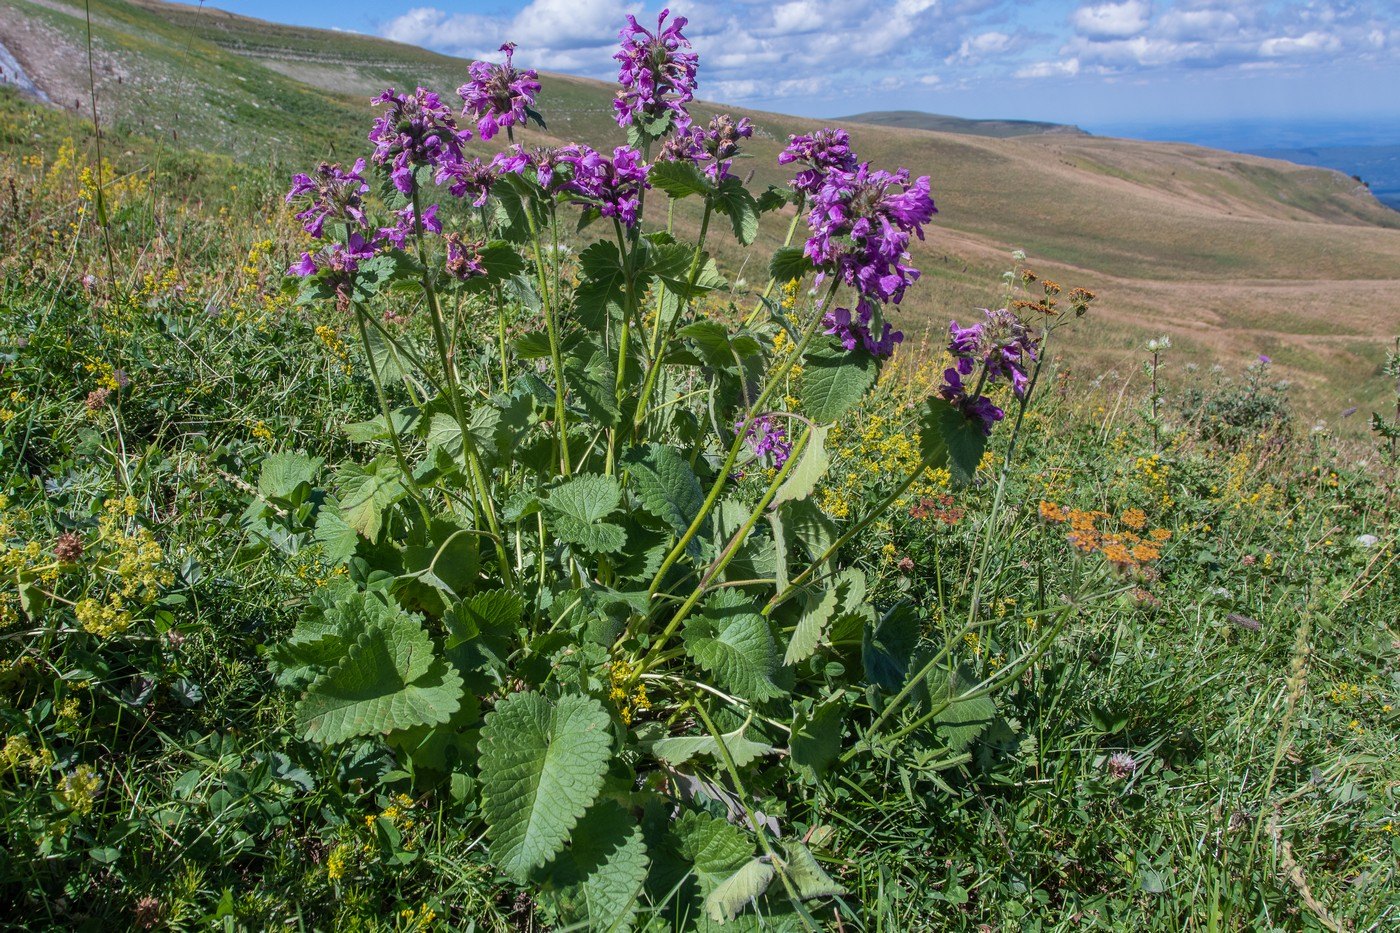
{"x": 1310, "y": 43}
{"x": 1067, "y": 68}
{"x": 1112, "y": 20}
{"x": 981, "y": 46}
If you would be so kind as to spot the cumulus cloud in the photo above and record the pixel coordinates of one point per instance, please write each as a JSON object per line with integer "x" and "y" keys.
{"x": 1112, "y": 20}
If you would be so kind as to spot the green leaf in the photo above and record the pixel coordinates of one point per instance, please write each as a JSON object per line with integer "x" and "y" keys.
{"x": 672, "y": 262}
{"x": 336, "y": 537}
{"x": 714, "y": 847}
{"x": 677, "y": 750}
{"x": 377, "y": 429}
{"x": 392, "y": 366}
{"x": 365, "y": 492}
{"x": 789, "y": 263}
{"x": 739, "y": 890}
{"x": 948, "y": 437}
{"x": 602, "y": 873}
{"x": 576, "y": 507}
{"x": 592, "y": 379}
{"x": 834, "y": 381}
{"x": 390, "y": 680}
{"x": 501, "y": 261}
{"x": 809, "y": 470}
{"x": 679, "y": 179}
{"x": 963, "y": 720}
{"x": 542, "y": 766}
{"x": 816, "y": 736}
{"x": 806, "y": 875}
{"x": 734, "y": 201}
{"x": 887, "y": 647}
{"x": 601, "y": 283}
{"x": 810, "y": 628}
{"x": 288, "y": 477}
{"x": 666, "y": 485}
{"x": 734, "y": 643}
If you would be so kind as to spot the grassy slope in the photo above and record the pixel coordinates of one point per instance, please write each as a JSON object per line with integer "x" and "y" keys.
{"x": 1231, "y": 255}
{"x": 919, "y": 120}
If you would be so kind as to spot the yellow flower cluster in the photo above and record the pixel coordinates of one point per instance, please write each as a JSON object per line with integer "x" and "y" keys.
{"x": 78, "y": 790}
{"x": 339, "y": 860}
{"x": 19, "y": 753}
{"x": 629, "y": 702}
{"x": 334, "y": 345}
{"x": 420, "y": 919}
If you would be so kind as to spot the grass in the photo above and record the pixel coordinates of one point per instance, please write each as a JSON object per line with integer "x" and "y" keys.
{"x": 1247, "y": 677}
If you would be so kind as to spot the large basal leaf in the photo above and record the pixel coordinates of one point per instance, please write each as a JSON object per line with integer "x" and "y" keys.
{"x": 948, "y": 437}
{"x": 732, "y": 895}
{"x": 542, "y": 766}
{"x": 602, "y": 873}
{"x": 735, "y": 644}
{"x": 390, "y": 680}
{"x": 888, "y": 647}
{"x": 834, "y": 381}
{"x": 810, "y": 627}
{"x": 592, "y": 380}
{"x": 715, "y": 848}
{"x": 806, "y": 875}
{"x": 576, "y": 508}
{"x": 666, "y": 485}
{"x": 962, "y": 721}
{"x": 288, "y": 477}
{"x": 816, "y": 736}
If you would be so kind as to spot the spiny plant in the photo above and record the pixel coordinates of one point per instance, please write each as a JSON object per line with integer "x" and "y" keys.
{"x": 589, "y": 594}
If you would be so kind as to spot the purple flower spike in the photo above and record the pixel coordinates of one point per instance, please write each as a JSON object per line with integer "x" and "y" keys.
{"x": 464, "y": 258}
{"x": 330, "y": 193}
{"x": 717, "y": 145}
{"x": 976, "y": 408}
{"x": 861, "y": 223}
{"x": 497, "y": 96}
{"x": 767, "y": 438}
{"x": 823, "y": 152}
{"x": 613, "y": 185}
{"x": 397, "y": 235}
{"x": 657, "y": 72}
{"x": 470, "y": 179}
{"x": 416, "y": 129}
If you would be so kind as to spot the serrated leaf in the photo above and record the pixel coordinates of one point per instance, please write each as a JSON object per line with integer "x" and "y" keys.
{"x": 602, "y": 873}
{"x": 336, "y": 537}
{"x": 888, "y": 647}
{"x": 672, "y": 262}
{"x": 963, "y": 720}
{"x": 391, "y": 365}
{"x": 734, "y": 201}
{"x": 736, "y": 645}
{"x": 390, "y": 680}
{"x": 288, "y": 476}
{"x": 542, "y": 766}
{"x": 365, "y": 492}
{"x": 377, "y": 429}
{"x": 738, "y": 891}
{"x": 677, "y": 750}
{"x": 679, "y": 179}
{"x": 809, "y": 470}
{"x": 810, "y": 627}
{"x": 602, "y": 280}
{"x": 789, "y": 263}
{"x": 592, "y": 380}
{"x": 666, "y": 485}
{"x": 715, "y": 848}
{"x": 576, "y": 507}
{"x": 806, "y": 875}
{"x": 816, "y": 736}
{"x": 834, "y": 381}
{"x": 948, "y": 437}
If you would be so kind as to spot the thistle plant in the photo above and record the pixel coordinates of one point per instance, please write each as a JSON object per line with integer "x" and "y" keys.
{"x": 594, "y": 590}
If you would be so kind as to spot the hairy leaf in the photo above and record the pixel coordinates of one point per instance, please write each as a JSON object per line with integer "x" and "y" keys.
{"x": 739, "y": 890}
{"x": 679, "y": 179}
{"x": 789, "y": 264}
{"x": 809, "y": 470}
{"x": 735, "y": 644}
{"x": 834, "y": 381}
{"x": 576, "y": 507}
{"x": 666, "y": 485}
{"x": 948, "y": 437}
{"x": 542, "y": 766}
{"x": 602, "y": 873}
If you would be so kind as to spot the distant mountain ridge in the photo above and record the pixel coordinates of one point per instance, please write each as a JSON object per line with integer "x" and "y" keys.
{"x": 941, "y": 123}
{"x": 1377, "y": 166}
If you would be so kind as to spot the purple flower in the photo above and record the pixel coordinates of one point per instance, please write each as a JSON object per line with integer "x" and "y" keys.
{"x": 544, "y": 160}
{"x": 861, "y": 222}
{"x": 473, "y": 178}
{"x": 1002, "y": 343}
{"x": 854, "y": 330}
{"x": 1265, "y": 360}
{"x": 1121, "y": 765}
{"x": 717, "y": 145}
{"x": 335, "y": 257}
{"x": 330, "y": 193}
{"x": 976, "y": 408}
{"x": 416, "y": 129}
{"x": 657, "y": 74}
{"x": 397, "y": 235}
{"x": 823, "y": 152}
{"x": 767, "y": 438}
{"x": 498, "y": 95}
{"x": 464, "y": 258}
{"x": 613, "y": 185}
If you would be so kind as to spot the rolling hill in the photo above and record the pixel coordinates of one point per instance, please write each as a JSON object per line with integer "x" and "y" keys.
{"x": 1231, "y": 255}
{"x": 940, "y": 123}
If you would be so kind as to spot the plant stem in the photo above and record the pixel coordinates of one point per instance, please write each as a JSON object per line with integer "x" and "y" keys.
{"x": 787, "y": 241}
{"x": 389, "y": 416}
{"x": 552, "y": 329}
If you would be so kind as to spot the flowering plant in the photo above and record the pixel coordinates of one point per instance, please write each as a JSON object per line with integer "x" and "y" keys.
{"x": 589, "y": 581}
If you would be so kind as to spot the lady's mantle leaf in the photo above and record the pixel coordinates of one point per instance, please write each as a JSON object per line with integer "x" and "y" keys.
{"x": 390, "y": 680}
{"x": 542, "y": 766}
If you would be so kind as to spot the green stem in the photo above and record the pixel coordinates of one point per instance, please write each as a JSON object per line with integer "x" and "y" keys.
{"x": 717, "y": 488}
{"x": 787, "y": 241}
{"x": 658, "y": 341}
{"x": 552, "y": 329}
{"x": 389, "y": 417}
{"x": 727, "y": 555}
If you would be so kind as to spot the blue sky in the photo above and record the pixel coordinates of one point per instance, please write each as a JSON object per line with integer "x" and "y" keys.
{"x": 1105, "y": 65}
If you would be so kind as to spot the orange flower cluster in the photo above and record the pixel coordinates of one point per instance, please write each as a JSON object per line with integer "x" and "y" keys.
{"x": 1089, "y": 532}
